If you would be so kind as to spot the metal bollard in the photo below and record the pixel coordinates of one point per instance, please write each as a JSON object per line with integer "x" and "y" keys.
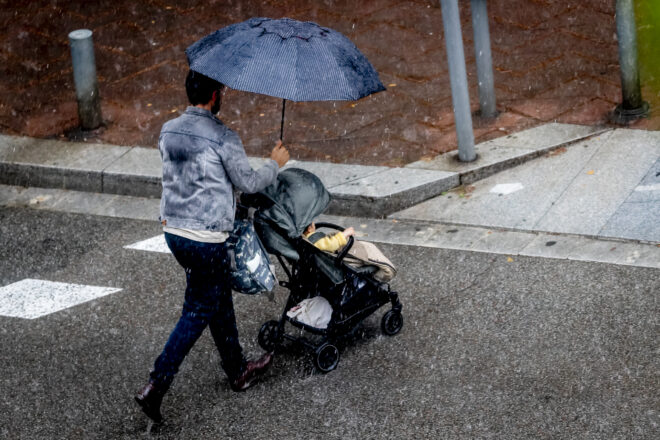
{"x": 632, "y": 107}
{"x": 484, "y": 58}
{"x": 458, "y": 79}
{"x": 84, "y": 76}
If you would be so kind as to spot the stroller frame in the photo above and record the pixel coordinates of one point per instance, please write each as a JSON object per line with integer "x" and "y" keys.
{"x": 326, "y": 354}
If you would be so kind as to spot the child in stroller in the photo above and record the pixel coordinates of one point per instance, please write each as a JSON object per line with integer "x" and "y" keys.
{"x": 328, "y": 243}
{"x": 361, "y": 254}
{"x": 284, "y": 211}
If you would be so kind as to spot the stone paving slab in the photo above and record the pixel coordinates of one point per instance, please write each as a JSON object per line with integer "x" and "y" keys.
{"x": 499, "y": 241}
{"x": 545, "y": 136}
{"x": 50, "y": 163}
{"x": 634, "y": 221}
{"x": 370, "y": 190}
{"x": 81, "y": 202}
{"x": 137, "y": 161}
{"x": 542, "y": 180}
{"x": 333, "y": 175}
{"x": 648, "y": 189}
{"x": 392, "y": 181}
{"x": 493, "y": 240}
{"x": 639, "y": 216}
{"x": 412, "y": 233}
{"x": 589, "y": 249}
{"x": 631, "y": 254}
{"x": 55, "y": 199}
{"x": 463, "y": 238}
{"x": 379, "y": 191}
{"x": 134, "y": 207}
{"x": 59, "y": 154}
{"x": 552, "y": 246}
{"x": 489, "y": 161}
{"x": 609, "y": 177}
{"x": 579, "y": 189}
{"x": 507, "y": 151}
{"x": 139, "y": 172}
{"x": 390, "y": 190}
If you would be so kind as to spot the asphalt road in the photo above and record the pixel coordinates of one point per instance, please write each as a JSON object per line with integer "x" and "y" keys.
{"x": 492, "y": 347}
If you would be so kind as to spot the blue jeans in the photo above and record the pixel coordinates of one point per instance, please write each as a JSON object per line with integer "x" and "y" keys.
{"x": 208, "y": 301}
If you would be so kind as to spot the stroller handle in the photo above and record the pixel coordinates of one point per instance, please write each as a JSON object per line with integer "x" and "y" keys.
{"x": 344, "y": 251}
{"x": 329, "y": 225}
{"x": 348, "y": 246}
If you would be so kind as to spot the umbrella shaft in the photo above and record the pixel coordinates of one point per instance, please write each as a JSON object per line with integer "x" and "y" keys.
{"x": 282, "y": 124}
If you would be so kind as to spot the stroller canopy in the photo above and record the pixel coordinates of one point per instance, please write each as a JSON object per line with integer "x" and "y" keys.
{"x": 286, "y": 208}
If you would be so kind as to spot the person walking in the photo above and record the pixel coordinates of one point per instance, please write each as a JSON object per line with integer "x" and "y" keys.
{"x": 203, "y": 164}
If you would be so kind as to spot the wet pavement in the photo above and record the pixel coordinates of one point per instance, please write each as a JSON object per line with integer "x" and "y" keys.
{"x": 553, "y": 61}
{"x": 519, "y": 323}
{"x": 492, "y": 347}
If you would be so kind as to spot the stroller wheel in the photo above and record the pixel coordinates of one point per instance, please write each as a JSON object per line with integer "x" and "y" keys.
{"x": 269, "y": 335}
{"x": 326, "y": 357}
{"x": 391, "y": 323}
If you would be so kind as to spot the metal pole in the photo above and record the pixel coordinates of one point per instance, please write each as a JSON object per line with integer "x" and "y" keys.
{"x": 458, "y": 79}
{"x": 632, "y": 106}
{"x": 282, "y": 124}
{"x": 484, "y": 58}
{"x": 84, "y": 76}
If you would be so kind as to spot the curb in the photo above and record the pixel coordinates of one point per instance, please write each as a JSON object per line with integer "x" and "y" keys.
{"x": 508, "y": 151}
{"x": 368, "y": 191}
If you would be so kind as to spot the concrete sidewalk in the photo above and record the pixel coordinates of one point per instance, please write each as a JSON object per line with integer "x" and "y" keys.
{"x": 358, "y": 190}
{"x": 587, "y": 195}
{"x": 584, "y": 181}
{"x": 604, "y": 187}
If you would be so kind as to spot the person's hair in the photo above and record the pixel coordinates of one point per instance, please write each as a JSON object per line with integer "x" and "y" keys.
{"x": 200, "y": 88}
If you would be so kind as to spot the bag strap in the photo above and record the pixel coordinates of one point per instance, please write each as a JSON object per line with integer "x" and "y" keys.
{"x": 316, "y": 236}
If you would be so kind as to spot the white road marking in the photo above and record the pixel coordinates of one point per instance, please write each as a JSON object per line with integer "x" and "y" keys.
{"x": 506, "y": 188}
{"x": 654, "y": 187}
{"x": 154, "y": 244}
{"x": 30, "y": 298}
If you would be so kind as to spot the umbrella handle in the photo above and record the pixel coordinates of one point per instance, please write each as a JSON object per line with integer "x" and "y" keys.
{"x": 282, "y": 124}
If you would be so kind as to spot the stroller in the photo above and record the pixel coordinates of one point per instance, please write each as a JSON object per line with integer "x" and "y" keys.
{"x": 284, "y": 210}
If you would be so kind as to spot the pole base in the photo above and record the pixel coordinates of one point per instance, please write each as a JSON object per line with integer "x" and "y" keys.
{"x": 487, "y": 116}
{"x": 89, "y": 111}
{"x": 458, "y": 159}
{"x": 623, "y": 116}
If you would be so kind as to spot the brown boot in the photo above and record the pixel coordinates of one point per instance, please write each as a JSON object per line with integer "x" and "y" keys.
{"x": 150, "y": 398}
{"x": 253, "y": 370}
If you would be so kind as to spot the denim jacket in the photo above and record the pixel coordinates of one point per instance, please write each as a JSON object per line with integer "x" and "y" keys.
{"x": 203, "y": 162}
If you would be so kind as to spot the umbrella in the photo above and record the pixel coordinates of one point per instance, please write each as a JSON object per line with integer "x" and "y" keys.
{"x": 285, "y": 58}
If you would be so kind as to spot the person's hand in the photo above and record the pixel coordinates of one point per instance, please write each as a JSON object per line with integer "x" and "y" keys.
{"x": 280, "y": 154}
{"x": 349, "y": 231}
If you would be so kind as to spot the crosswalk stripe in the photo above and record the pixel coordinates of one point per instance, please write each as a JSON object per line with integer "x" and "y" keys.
{"x": 31, "y": 298}
{"x": 154, "y": 244}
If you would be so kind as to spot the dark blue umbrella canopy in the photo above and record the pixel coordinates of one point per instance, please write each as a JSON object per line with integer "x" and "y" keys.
{"x": 285, "y": 58}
